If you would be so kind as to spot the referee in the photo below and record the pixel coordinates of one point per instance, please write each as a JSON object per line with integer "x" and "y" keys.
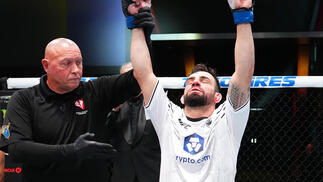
{"x": 56, "y": 129}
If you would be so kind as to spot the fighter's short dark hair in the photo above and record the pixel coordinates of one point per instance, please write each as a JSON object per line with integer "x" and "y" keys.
{"x": 212, "y": 71}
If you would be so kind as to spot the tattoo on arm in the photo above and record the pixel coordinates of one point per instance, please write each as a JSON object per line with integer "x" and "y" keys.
{"x": 238, "y": 96}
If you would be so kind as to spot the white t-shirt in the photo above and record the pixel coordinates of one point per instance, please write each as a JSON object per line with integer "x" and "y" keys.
{"x": 202, "y": 151}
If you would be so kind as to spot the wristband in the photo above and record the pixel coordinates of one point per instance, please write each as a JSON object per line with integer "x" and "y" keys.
{"x": 130, "y": 20}
{"x": 243, "y": 17}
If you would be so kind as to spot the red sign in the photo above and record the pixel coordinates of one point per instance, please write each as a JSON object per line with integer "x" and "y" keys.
{"x": 13, "y": 170}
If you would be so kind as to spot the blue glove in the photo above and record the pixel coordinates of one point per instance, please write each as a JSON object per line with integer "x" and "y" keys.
{"x": 243, "y": 14}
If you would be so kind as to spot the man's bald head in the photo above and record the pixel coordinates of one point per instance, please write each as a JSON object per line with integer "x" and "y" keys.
{"x": 126, "y": 67}
{"x": 63, "y": 65}
{"x": 60, "y": 46}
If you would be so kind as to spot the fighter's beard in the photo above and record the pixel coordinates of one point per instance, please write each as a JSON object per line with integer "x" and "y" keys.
{"x": 195, "y": 100}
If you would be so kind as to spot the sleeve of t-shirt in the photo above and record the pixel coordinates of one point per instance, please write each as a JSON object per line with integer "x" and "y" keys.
{"x": 237, "y": 119}
{"x": 116, "y": 89}
{"x": 157, "y": 109}
{"x": 18, "y": 135}
{"x": 18, "y": 118}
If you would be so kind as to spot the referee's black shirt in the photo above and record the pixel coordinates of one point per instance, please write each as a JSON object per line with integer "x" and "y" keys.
{"x": 42, "y": 123}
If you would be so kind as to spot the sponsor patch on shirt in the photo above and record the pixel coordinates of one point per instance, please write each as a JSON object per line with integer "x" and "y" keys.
{"x": 193, "y": 144}
{"x": 5, "y": 131}
{"x": 193, "y": 161}
{"x": 80, "y": 103}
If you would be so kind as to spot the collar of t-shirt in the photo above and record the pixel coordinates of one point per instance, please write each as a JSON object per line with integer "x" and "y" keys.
{"x": 195, "y": 119}
{"x": 47, "y": 92}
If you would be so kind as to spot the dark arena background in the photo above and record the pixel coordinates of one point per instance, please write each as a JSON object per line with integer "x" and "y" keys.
{"x": 283, "y": 141}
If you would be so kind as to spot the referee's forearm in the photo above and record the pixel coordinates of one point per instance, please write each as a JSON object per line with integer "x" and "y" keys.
{"x": 32, "y": 152}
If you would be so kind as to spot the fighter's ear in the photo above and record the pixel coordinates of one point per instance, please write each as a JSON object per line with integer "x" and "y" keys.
{"x": 217, "y": 97}
{"x": 182, "y": 99}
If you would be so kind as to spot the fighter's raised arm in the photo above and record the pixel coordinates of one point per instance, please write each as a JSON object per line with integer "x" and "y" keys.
{"x": 244, "y": 55}
{"x": 140, "y": 60}
{"x": 141, "y": 24}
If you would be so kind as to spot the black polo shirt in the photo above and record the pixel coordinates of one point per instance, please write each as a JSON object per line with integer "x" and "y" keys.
{"x": 43, "y": 123}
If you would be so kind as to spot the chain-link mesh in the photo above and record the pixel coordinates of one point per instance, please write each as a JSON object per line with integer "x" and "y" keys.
{"x": 283, "y": 140}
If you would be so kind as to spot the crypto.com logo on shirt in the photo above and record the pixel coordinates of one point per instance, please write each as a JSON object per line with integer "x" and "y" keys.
{"x": 193, "y": 144}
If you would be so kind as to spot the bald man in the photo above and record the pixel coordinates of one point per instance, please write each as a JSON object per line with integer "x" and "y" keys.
{"x": 57, "y": 129}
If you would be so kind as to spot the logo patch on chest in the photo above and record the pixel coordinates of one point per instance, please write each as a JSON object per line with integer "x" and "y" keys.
{"x": 79, "y": 103}
{"x": 193, "y": 144}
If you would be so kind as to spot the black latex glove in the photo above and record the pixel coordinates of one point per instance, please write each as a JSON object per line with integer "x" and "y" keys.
{"x": 87, "y": 149}
{"x": 144, "y": 19}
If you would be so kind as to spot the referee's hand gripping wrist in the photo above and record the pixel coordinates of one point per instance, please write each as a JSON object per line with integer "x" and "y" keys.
{"x": 132, "y": 8}
{"x": 88, "y": 149}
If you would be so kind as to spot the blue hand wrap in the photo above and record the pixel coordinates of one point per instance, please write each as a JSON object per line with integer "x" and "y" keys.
{"x": 130, "y": 19}
{"x": 243, "y": 17}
